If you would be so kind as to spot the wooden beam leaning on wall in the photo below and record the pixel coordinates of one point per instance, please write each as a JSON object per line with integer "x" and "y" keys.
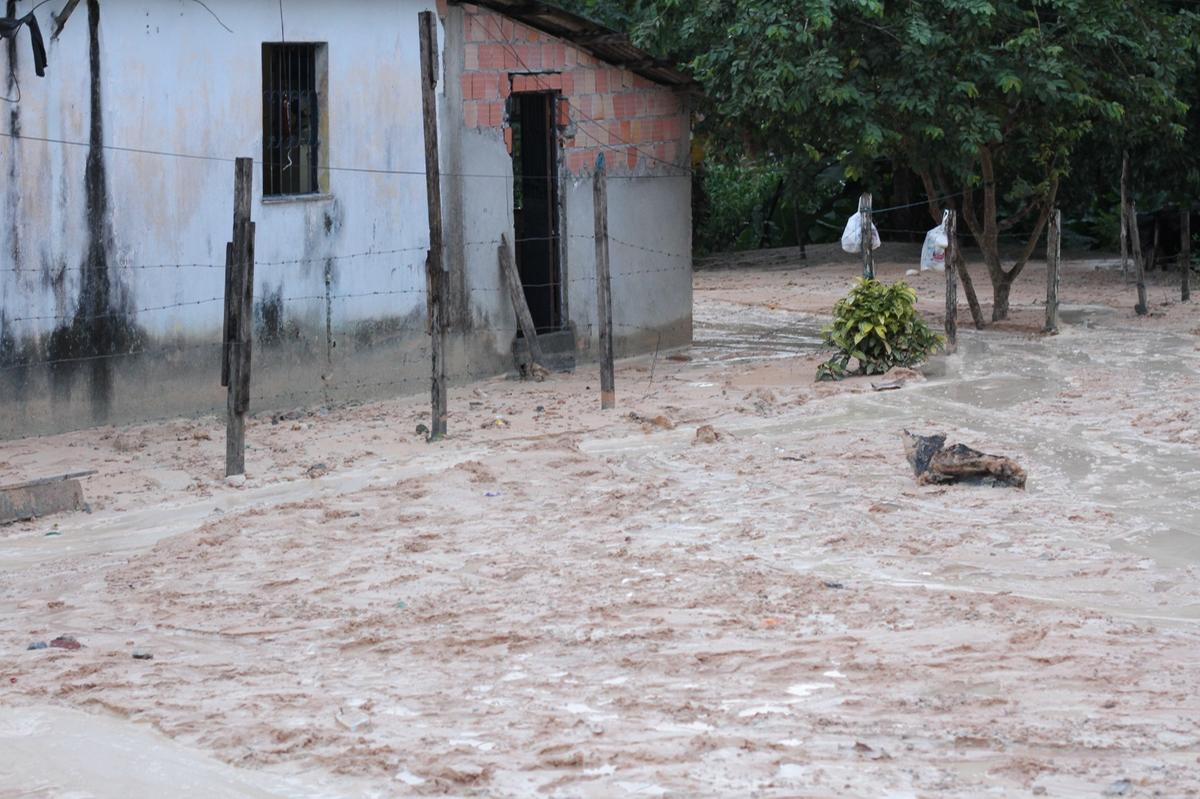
{"x": 516, "y": 292}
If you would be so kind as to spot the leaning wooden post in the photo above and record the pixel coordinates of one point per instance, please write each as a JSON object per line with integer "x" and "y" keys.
{"x": 434, "y": 276}
{"x": 239, "y": 318}
{"x": 864, "y": 217}
{"x": 951, "y": 282}
{"x": 1125, "y": 215}
{"x": 516, "y": 293}
{"x": 608, "y": 392}
{"x": 1185, "y": 254}
{"x": 1053, "y": 260}
{"x": 1139, "y": 265}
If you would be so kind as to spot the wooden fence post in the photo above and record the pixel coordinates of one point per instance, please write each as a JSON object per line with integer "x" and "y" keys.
{"x": 1185, "y": 254}
{"x": 608, "y": 392}
{"x": 239, "y": 318}
{"x": 434, "y": 276}
{"x": 1125, "y": 215}
{"x": 1053, "y": 260}
{"x": 868, "y": 257}
{"x": 1139, "y": 265}
{"x": 951, "y": 282}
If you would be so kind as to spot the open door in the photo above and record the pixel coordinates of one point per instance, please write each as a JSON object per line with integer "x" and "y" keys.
{"x": 535, "y": 205}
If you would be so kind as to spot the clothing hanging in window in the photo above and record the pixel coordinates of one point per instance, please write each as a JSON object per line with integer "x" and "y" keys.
{"x": 8, "y": 29}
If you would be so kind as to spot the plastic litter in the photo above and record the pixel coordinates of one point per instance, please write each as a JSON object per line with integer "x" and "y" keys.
{"x": 852, "y": 235}
{"x": 933, "y": 253}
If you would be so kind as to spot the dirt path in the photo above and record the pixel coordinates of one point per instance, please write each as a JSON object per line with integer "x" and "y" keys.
{"x": 574, "y": 603}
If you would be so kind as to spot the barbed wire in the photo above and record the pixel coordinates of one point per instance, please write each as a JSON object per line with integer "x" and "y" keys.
{"x": 362, "y": 170}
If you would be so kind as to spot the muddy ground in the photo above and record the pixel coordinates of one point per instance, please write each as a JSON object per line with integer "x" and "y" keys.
{"x": 568, "y": 602}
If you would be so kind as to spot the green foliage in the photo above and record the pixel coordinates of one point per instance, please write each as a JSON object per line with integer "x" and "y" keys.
{"x": 1005, "y": 98}
{"x": 877, "y": 325}
{"x": 767, "y": 202}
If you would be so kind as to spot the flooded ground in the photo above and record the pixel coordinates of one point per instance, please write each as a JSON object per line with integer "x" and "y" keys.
{"x": 577, "y": 603}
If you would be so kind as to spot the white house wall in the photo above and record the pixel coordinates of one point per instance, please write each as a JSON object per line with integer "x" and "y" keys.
{"x": 339, "y": 279}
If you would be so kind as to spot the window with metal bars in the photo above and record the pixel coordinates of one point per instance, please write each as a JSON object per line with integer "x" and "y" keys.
{"x": 294, "y": 81}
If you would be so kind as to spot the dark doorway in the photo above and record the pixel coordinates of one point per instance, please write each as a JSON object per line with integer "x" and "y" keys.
{"x": 535, "y": 205}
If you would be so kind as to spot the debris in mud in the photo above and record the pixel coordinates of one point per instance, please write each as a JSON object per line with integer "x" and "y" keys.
{"x": 317, "y": 470}
{"x": 286, "y": 416}
{"x": 707, "y": 434}
{"x": 142, "y": 654}
{"x": 679, "y": 357}
{"x": 65, "y": 642}
{"x": 497, "y": 422}
{"x": 352, "y": 719}
{"x": 834, "y": 585}
{"x": 535, "y": 372}
{"x": 648, "y": 423}
{"x": 890, "y": 385}
{"x": 934, "y": 462}
{"x": 37, "y": 645}
{"x": 422, "y": 430}
{"x": 1118, "y": 788}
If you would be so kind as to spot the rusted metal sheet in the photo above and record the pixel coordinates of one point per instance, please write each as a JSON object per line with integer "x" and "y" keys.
{"x": 43, "y": 497}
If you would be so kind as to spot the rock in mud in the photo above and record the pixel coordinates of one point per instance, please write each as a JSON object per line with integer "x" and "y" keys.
{"x": 65, "y": 642}
{"x": 37, "y": 645}
{"x": 128, "y": 442}
{"x": 1119, "y": 788}
{"x": 317, "y": 470}
{"x": 142, "y": 654}
{"x": 707, "y": 434}
{"x": 934, "y": 462}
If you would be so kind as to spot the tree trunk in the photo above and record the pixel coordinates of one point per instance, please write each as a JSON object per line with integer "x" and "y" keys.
{"x": 1000, "y": 292}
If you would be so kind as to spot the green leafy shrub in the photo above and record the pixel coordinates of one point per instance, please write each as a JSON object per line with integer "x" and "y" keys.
{"x": 877, "y": 326}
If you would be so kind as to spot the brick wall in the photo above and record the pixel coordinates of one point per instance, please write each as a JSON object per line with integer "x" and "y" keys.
{"x": 638, "y": 124}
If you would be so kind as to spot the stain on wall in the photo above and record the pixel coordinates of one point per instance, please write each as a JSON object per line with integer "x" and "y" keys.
{"x": 102, "y": 325}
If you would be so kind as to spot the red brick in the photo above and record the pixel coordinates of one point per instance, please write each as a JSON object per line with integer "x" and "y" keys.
{"x": 467, "y": 84}
{"x": 508, "y": 139}
{"x": 601, "y": 78}
{"x": 568, "y": 83}
{"x": 564, "y": 112}
{"x": 491, "y": 56}
{"x": 626, "y": 131}
{"x": 506, "y": 29}
{"x": 490, "y": 85}
{"x": 631, "y": 157}
{"x": 625, "y": 106}
{"x": 552, "y": 82}
{"x": 470, "y": 115}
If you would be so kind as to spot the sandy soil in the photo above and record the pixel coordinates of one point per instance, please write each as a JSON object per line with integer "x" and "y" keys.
{"x": 577, "y": 603}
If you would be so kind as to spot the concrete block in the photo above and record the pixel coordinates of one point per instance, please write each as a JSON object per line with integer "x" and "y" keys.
{"x": 44, "y": 497}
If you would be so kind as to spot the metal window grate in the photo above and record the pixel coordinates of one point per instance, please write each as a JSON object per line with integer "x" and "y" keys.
{"x": 291, "y": 124}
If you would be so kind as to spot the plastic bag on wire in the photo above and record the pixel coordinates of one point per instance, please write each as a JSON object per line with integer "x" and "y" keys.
{"x": 933, "y": 253}
{"x": 852, "y": 235}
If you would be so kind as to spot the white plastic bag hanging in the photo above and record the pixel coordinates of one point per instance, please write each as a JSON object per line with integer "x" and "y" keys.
{"x": 852, "y": 235}
{"x": 933, "y": 253}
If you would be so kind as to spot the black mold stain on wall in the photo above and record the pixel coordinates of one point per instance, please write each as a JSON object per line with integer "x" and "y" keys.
{"x": 14, "y": 128}
{"x": 99, "y": 328}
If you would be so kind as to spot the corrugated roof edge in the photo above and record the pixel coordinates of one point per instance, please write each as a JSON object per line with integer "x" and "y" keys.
{"x": 611, "y": 46}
